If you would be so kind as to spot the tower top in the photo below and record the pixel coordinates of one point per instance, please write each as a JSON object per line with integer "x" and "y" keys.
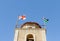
{"x": 31, "y": 25}
{"x": 30, "y": 31}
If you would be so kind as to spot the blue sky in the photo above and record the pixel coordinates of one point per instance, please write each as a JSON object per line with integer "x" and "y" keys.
{"x": 34, "y": 11}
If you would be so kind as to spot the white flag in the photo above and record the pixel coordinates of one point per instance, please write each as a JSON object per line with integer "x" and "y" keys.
{"x": 22, "y": 17}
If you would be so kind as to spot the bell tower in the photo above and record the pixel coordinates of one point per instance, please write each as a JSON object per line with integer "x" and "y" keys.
{"x": 30, "y": 31}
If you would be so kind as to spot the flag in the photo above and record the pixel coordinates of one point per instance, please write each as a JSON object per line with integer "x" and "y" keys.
{"x": 45, "y": 20}
{"x": 22, "y": 17}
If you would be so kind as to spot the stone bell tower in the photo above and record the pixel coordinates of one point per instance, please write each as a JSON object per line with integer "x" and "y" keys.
{"x": 30, "y": 31}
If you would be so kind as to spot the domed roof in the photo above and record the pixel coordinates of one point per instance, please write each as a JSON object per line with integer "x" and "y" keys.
{"x": 31, "y": 24}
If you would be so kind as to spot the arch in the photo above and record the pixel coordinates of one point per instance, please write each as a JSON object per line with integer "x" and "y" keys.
{"x": 29, "y": 37}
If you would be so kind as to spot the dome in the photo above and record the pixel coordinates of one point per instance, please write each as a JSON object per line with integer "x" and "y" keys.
{"x": 31, "y": 24}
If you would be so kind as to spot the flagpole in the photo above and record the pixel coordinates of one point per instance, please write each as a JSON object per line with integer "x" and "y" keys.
{"x": 44, "y": 25}
{"x": 17, "y": 22}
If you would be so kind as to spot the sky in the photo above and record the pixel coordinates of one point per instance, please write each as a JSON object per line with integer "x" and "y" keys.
{"x": 34, "y": 10}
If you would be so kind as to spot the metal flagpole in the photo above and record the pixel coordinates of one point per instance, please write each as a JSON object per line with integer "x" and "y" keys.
{"x": 44, "y": 25}
{"x": 17, "y": 21}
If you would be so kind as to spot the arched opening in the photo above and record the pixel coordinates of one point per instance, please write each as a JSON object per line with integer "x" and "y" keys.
{"x": 30, "y": 37}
